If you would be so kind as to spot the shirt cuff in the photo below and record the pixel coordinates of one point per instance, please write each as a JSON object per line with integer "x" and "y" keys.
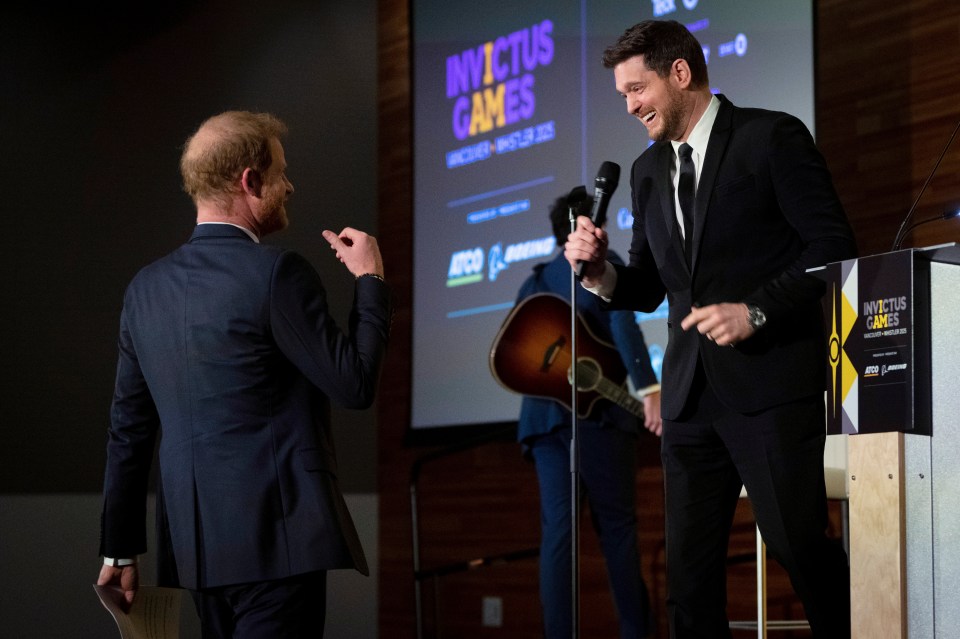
{"x": 608, "y": 282}
{"x": 648, "y": 390}
{"x": 119, "y": 562}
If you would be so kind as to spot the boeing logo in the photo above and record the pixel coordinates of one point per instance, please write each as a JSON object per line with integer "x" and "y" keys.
{"x": 495, "y": 261}
{"x": 889, "y": 368}
{"x": 499, "y": 259}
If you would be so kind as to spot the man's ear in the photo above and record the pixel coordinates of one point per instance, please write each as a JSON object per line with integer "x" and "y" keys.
{"x": 251, "y": 182}
{"x": 680, "y": 73}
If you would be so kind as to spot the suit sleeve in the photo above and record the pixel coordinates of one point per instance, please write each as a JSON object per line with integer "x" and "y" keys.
{"x": 344, "y": 365}
{"x": 809, "y": 202}
{"x": 630, "y": 343}
{"x": 632, "y": 347}
{"x": 639, "y": 286}
{"x": 134, "y": 423}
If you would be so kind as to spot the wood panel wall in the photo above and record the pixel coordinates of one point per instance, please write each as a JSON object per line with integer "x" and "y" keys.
{"x": 888, "y": 98}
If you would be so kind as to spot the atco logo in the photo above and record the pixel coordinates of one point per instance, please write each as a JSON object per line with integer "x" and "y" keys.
{"x": 466, "y": 267}
{"x": 871, "y": 371}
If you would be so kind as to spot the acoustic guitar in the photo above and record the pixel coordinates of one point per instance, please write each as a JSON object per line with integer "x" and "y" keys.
{"x": 532, "y": 355}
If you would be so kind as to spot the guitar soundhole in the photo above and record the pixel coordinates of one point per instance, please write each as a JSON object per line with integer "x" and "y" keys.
{"x": 588, "y": 374}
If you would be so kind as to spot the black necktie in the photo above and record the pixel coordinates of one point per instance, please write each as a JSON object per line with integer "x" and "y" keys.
{"x": 686, "y": 187}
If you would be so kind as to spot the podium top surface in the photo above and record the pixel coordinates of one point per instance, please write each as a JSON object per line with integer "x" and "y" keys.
{"x": 947, "y": 253}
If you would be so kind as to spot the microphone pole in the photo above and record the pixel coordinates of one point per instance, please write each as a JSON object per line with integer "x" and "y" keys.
{"x": 604, "y": 185}
{"x": 902, "y": 233}
{"x": 575, "y": 201}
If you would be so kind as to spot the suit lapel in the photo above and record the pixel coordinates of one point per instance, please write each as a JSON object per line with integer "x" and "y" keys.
{"x": 716, "y": 147}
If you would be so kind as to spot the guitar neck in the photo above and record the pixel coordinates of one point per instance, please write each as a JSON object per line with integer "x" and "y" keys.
{"x": 620, "y": 396}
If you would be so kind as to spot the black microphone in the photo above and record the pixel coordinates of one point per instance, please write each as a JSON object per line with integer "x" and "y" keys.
{"x": 603, "y": 187}
{"x": 946, "y": 215}
{"x": 902, "y": 233}
{"x": 608, "y": 177}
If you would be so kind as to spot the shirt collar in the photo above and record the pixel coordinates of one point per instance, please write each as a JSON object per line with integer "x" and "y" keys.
{"x": 700, "y": 135}
{"x": 252, "y": 235}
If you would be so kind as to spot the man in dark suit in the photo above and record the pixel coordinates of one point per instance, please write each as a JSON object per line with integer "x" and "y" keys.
{"x": 744, "y": 371}
{"x": 607, "y": 447}
{"x": 229, "y": 354}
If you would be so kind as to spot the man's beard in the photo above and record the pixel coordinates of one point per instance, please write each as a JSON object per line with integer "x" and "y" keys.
{"x": 276, "y": 217}
{"x": 671, "y": 117}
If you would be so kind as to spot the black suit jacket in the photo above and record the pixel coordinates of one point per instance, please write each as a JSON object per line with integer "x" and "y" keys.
{"x": 229, "y": 353}
{"x": 766, "y": 211}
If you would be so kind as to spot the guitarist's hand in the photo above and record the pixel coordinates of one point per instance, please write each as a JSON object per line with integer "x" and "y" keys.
{"x": 651, "y": 413}
{"x": 587, "y": 244}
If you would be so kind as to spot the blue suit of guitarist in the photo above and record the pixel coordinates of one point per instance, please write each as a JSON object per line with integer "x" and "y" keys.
{"x": 607, "y": 444}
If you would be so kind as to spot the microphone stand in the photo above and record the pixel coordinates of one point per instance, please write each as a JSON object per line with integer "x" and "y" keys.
{"x": 574, "y": 453}
{"x": 604, "y": 185}
{"x": 902, "y": 232}
{"x": 946, "y": 215}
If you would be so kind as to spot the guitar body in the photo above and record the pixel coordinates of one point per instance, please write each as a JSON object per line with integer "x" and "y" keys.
{"x": 532, "y": 355}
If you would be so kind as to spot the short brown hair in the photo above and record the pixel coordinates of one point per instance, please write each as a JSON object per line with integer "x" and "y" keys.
{"x": 222, "y": 147}
{"x": 660, "y": 42}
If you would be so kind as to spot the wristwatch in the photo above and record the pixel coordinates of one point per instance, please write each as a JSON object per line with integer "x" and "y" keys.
{"x": 755, "y": 316}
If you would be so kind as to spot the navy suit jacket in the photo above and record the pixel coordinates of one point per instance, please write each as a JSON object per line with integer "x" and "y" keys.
{"x": 229, "y": 354}
{"x": 766, "y": 211}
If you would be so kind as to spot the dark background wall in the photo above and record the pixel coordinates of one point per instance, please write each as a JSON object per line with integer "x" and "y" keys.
{"x": 97, "y": 101}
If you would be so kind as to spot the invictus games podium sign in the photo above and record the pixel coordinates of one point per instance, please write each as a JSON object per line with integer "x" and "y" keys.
{"x": 894, "y": 364}
{"x": 877, "y": 323}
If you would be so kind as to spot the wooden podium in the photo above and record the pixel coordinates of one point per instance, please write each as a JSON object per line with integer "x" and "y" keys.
{"x": 894, "y": 371}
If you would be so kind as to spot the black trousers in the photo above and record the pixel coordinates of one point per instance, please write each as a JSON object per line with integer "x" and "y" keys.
{"x": 292, "y": 608}
{"x": 778, "y": 455}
